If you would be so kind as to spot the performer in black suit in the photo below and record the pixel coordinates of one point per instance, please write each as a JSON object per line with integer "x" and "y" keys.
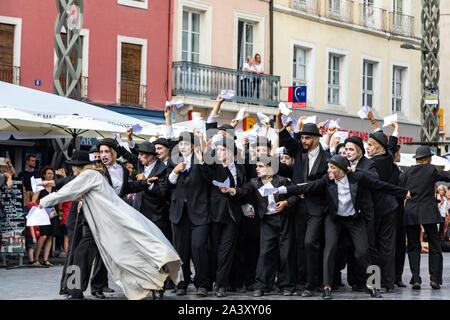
{"x": 310, "y": 164}
{"x": 189, "y": 213}
{"x": 226, "y": 213}
{"x": 277, "y": 255}
{"x": 345, "y": 196}
{"x": 422, "y": 209}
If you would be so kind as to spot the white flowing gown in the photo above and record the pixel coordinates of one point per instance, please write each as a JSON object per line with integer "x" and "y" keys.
{"x": 136, "y": 253}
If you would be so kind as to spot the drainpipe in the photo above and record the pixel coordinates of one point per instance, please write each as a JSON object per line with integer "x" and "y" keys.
{"x": 271, "y": 35}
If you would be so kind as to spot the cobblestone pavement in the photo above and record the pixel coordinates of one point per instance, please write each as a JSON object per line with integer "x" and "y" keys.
{"x": 43, "y": 284}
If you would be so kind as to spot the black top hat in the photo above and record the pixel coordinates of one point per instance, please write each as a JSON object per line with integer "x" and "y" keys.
{"x": 93, "y": 149}
{"x": 79, "y": 158}
{"x": 228, "y": 128}
{"x": 340, "y": 162}
{"x": 162, "y": 141}
{"x": 422, "y": 152}
{"x": 310, "y": 129}
{"x": 227, "y": 143}
{"x": 358, "y": 141}
{"x": 146, "y": 147}
{"x": 339, "y": 146}
{"x": 189, "y": 137}
{"x": 108, "y": 142}
{"x": 380, "y": 137}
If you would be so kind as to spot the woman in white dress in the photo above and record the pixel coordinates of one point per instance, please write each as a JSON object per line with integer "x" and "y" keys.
{"x": 136, "y": 253}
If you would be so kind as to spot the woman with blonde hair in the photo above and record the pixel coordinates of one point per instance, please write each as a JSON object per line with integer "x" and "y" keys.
{"x": 135, "y": 252}
{"x": 441, "y": 192}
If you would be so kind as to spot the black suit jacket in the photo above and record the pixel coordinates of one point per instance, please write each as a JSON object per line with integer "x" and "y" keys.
{"x": 127, "y": 185}
{"x": 358, "y": 182}
{"x": 251, "y": 188}
{"x": 422, "y": 208}
{"x": 369, "y": 166}
{"x": 223, "y": 207}
{"x": 152, "y": 203}
{"x": 316, "y": 204}
{"x": 192, "y": 189}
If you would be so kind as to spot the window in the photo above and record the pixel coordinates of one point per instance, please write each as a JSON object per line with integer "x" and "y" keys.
{"x": 334, "y": 7}
{"x": 368, "y": 6}
{"x": 245, "y": 41}
{"x": 191, "y": 37}
{"x": 142, "y": 4}
{"x": 333, "y": 79}
{"x": 6, "y": 52}
{"x": 368, "y": 83}
{"x": 130, "y": 74}
{"x": 299, "y": 66}
{"x": 397, "y": 89}
{"x": 398, "y": 12}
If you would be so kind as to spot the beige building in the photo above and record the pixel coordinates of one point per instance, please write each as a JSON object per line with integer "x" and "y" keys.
{"x": 348, "y": 55}
{"x": 444, "y": 81}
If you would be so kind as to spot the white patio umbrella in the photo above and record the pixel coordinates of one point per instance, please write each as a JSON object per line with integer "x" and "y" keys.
{"x": 76, "y": 125}
{"x": 17, "y": 122}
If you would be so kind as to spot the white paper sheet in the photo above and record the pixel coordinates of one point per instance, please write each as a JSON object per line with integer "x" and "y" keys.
{"x": 227, "y": 94}
{"x": 36, "y": 184}
{"x": 137, "y": 128}
{"x": 225, "y": 184}
{"x": 312, "y": 119}
{"x": 262, "y": 117}
{"x": 364, "y": 112}
{"x": 38, "y": 217}
{"x": 240, "y": 115}
{"x": 389, "y": 119}
{"x": 284, "y": 109}
{"x": 248, "y": 210}
{"x": 342, "y": 135}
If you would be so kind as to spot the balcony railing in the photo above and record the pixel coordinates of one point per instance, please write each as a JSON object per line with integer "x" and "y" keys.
{"x": 133, "y": 93}
{"x": 373, "y": 17}
{"x": 207, "y": 81}
{"x": 308, "y": 6}
{"x": 341, "y": 10}
{"x": 10, "y": 74}
{"x": 401, "y": 24}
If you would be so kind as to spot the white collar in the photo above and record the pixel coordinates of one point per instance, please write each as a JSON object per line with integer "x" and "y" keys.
{"x": 343, "y": 181}
{"x": 314, "y": 152}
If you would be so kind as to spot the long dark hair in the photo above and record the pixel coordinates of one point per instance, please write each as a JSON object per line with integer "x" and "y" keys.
{"x": 45, "y": 169}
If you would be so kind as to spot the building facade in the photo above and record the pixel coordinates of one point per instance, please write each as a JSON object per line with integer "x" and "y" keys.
{"x": 348, "y": 55}
{"x": 126, "y": 45}
{"x": 444, "y": 83}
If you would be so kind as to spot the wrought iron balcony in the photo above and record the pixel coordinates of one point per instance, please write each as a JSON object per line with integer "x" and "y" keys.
{"x": 341, "y": 10}
{"x": 9, "y": 73}
{"x": 372, "y": 17}
{"x": 401, "y": 24}
{"x": 132, "y": 93}
{"x": 308, "y": 6}
{"x": 207, "y": 81}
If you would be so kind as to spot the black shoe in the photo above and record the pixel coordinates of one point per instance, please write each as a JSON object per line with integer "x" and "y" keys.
{"x": 181, "y": 292}
{"x": 307, "y": 293}
{"x": 108, "y": 290}
{"x": 389, "y": 289}
{"x": 326, "y": 294}
{"x": 98, "y": 295}
{"x": 374, "y": 293}
{"x": 287, "y": 293}
{"x": 416, "y": 286}
{"x": 202, "y": 292}
{"x": 435, "y": 285}
{"x": 258, "y": 293}
{"x": 221, "y": 292}
{"x": 400, "y": 284}
{"x": 75, "y": 297}
{"x": 297, "y": 293}
{"x": 157, "y": 294}
{"x": 63, "y": 292}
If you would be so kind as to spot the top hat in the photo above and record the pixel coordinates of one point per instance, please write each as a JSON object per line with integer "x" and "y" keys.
{"x": 340, "y": 162}
{"x": 146, "y": 147}
{"x": 79, "y": 158}
{"x": 358, "y": 141}
{"x": 310, "y": 129}
{"x": 423, "y": 152}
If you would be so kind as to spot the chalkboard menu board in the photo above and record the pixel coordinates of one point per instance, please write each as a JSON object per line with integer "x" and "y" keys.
{"x": 13, "y": 222}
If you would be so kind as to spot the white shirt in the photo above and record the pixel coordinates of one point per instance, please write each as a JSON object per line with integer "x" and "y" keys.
{"x": 173, "y": 177}
{"x": 271, "y": 205}
{"x": 443, "y": 208}
{"x": 148, "y": 169}
{"x": 312, "y": 156}
{"x": 258, "y": 67}
{"x": 345, "y": 204}
{"x": 116, "y": 173}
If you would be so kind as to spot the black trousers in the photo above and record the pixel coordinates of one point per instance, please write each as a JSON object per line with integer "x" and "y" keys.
{"x": 224, "y": 239}
{"x": 400, "y": 245}
{"x": 385, "y": 245}
{"x": 300, "y": 221}
{"x": 435, "y": 259}
{"x": 276, "y": 255}
{"x": 191, "y": 241}
{"x": 85, "y": 255}
{"x": 74, "y": 239}
{"x": 314, "y": 251}
{"x": 356, "y": 228}
{"x": 243, "y": 271}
